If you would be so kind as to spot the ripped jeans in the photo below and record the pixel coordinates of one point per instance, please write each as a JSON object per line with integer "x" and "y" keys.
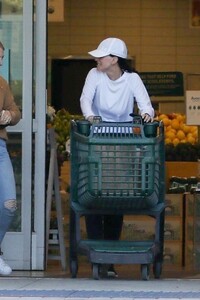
{"x": 8, "y": 203}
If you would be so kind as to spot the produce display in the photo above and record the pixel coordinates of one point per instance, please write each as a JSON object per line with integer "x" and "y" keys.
{"x": 61, "y": 124}
{"x": 176, "y": 130}
{"x": 181, "y": 140}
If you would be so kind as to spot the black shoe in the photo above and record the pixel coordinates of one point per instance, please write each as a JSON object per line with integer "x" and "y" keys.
{"x": 111, "y": 273}
{"x": 108, "y": 271}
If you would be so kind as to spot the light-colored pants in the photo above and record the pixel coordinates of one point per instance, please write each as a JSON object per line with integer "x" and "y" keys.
{"x": 7, "y": 190}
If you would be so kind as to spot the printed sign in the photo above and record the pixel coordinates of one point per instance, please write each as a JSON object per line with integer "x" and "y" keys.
{"x": 163, "y": 83}
{"x": 193, "y": 107}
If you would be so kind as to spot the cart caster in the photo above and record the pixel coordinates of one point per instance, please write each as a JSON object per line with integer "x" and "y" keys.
{"x": 95, "y": 271}
{"x": 145, "y": 270}
{"x": 157, "y": 269}
{"x": 73, "y": 268}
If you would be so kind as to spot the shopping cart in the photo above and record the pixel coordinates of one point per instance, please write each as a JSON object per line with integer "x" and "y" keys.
{"x": 117, "y": 168}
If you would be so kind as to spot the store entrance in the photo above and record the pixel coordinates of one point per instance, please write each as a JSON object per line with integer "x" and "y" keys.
{"x": 22, "y": 28}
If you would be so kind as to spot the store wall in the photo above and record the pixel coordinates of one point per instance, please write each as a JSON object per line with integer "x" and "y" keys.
{"x": 157, "y": 32}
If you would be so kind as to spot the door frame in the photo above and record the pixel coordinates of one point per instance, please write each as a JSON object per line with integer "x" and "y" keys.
{"x": 29, "y": 250}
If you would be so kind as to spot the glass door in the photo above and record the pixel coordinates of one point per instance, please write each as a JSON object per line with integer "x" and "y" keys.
{"x": 22, "y": 27}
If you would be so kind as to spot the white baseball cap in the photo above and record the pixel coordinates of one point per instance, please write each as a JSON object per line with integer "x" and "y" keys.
{"x": 109, "y": 46}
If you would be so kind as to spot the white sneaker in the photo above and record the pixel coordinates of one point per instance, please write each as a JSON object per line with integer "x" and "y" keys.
{"x": 5, "y": 269}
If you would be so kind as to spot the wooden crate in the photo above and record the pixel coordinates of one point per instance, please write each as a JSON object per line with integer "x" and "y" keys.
{"x": 173, "y": 254}
{"x": 174, "y": 205}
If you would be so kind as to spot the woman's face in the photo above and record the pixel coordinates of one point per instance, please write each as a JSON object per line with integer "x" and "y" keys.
{"x": 1, "y": 56}
{"x": 105, "y": 63}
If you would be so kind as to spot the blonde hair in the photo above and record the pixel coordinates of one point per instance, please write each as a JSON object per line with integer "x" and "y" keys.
{"x": 2, "y": 46}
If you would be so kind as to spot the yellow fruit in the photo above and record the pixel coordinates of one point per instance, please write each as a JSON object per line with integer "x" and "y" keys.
{"x": 175, "y": 124}
{"x": 176, "y": 141}
{"x": 189, "y": 134}
{"x": 162, "y": 116}
{"x": 167, "y": 141}
{"x": 193, "y": 128}
{"x": 180, "y": 117}
{"x": 180, "y": 134}
{"x": 171, "y": 129}
{"x": 166, "y": 121}
{"x": 168, "y": 128}
{"x": 176, "y": 129}
{"x": 195, "y": 134}
{"x": 191, "y": 139}
{"x": 181, "y": 125}
{"x": 185, "y": 128}
{"x": 170, "y": 135}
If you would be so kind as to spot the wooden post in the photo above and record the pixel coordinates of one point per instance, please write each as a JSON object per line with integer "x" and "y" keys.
{"x": 53, "y": 187}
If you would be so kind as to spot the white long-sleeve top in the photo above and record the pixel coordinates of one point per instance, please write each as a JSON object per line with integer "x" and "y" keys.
{"x": 113, "y": 100}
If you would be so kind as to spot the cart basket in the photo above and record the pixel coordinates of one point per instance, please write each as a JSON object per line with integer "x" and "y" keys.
{"x": 117, "y": 166}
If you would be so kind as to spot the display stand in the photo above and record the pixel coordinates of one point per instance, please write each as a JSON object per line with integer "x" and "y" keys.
{"x": 53, "y": 189}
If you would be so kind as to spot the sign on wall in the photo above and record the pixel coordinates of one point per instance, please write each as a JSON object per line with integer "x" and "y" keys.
{"x": 163, "y": 83}
{"x": 193, "y": 107}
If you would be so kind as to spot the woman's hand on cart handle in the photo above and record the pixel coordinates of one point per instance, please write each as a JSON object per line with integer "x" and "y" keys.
{"x": 146, "y": 118}
{"x": 94, "y": 119}
{"x": 90, "y": 119}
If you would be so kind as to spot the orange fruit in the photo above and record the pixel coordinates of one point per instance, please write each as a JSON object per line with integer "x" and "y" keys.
{"x": 175, "y": 124}
{"x": 195, "y": 134}
{"x": 166, "y": 121}
{"x": 185, "y": 128}
{"x": 180, "y": 117}
{"x": 170, "y": 135}
{"x": 180, "y": 134}
{"x": 167, "y": 141}
{"x": 193, "y": 128}
{"x": 172, "y": 130}
{"x": 191, "y": 139}
{"x": 162, "y": 116}
{"x": 176, "y": 141}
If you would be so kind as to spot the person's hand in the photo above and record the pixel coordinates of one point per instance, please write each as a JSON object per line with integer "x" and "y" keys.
{"x": 94, "y": 119}
{"x": 90, "y": 119}
{"x": 147, "y": 118}
{"x": 5, "y": 117}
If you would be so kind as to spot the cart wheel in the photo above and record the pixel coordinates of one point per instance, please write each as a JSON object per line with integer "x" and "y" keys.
{"x": 157, "y": 269}
{"x": 95, "y": 271}
{"x": 145, "y": 270}
{"x": 73, "y": 268}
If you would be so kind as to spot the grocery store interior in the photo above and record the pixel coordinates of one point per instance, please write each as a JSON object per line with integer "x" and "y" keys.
{"x": 46, "y": 62}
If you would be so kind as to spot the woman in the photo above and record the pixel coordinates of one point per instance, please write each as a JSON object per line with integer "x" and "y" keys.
{"x": 109, "y": 92}
{"x": 9, "y": 115}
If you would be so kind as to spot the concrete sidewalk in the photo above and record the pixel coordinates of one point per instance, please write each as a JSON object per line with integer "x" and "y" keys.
{"x": 79, "y": 289}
